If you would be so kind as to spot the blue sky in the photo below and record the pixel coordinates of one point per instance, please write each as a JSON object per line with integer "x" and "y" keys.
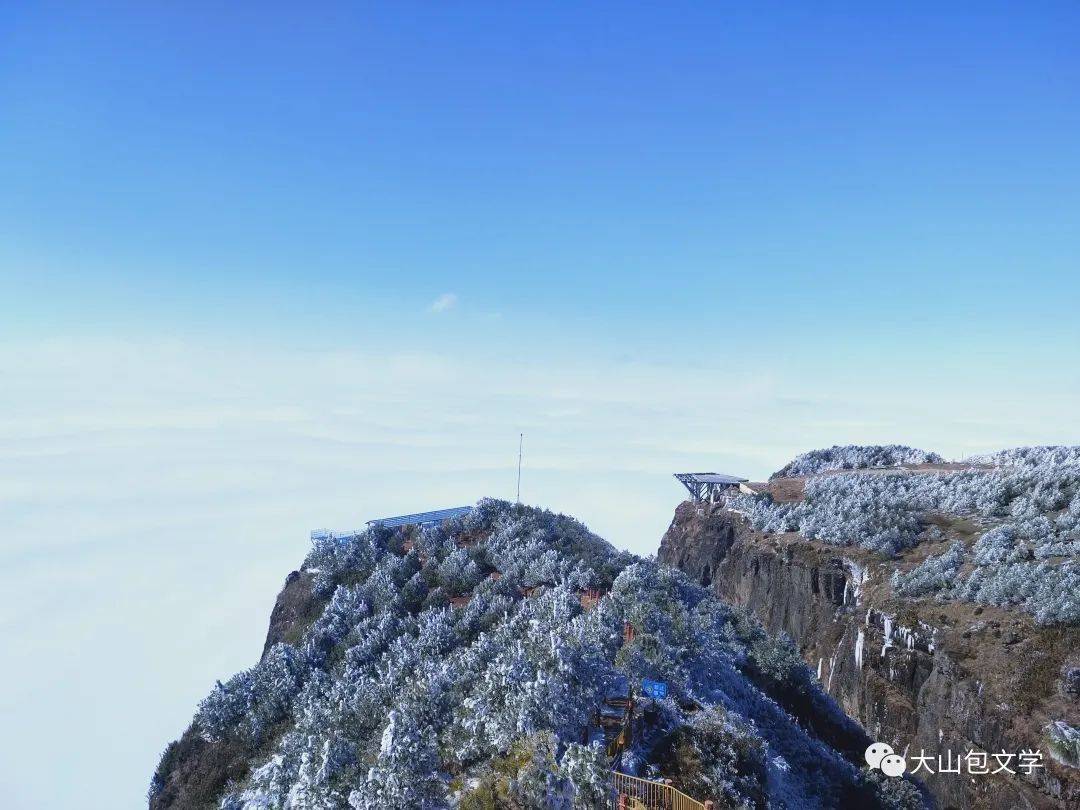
{"x": 274, "y": 268}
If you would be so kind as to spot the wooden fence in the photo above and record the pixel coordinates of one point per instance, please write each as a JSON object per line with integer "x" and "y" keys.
{"x": 632, "y": 793}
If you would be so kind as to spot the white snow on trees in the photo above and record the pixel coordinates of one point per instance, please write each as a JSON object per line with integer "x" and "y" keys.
{"x": 1027, "y": 500}
{"x": 390, "y": 693}
{"x": 932, "y": 575}
{"x": 854, "y": 457}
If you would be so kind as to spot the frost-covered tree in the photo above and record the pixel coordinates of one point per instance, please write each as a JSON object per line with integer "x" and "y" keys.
{"x": 1031, "y": 456}
{"x": 252, "y": 701}
{"x": 406, "y": 774}
{"x": 893, "y": 793}
{"x": 1029, "y": 496}
{"x": 995, "y": 546}
{"x": 853, "y": 457}
{"x": 931, "y": 575}
{"x": 458, "y": 573}
{"x": 390, "y": 694}
{"x": 718, "y": 755}
{"x": 1051, "y": 593}
{"x": 586, "y": 769}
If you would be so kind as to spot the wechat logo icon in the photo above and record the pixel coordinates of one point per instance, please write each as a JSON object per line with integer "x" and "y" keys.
{"x": 881, "y": 756}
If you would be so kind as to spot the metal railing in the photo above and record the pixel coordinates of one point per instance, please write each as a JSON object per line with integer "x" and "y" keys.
{"x": 327, "y": 534}
{"x": 632, "y": 793}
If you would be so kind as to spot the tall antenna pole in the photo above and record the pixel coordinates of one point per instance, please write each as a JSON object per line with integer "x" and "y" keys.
{"x": 521, "y": 442}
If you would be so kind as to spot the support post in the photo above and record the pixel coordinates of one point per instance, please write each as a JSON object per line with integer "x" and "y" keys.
{"x": 521, "y": 443}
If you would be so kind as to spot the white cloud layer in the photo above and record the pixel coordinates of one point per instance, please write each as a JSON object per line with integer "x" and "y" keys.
{"x": 154, "y": 496}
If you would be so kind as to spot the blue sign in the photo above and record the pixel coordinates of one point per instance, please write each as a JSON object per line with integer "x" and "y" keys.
{"x": 654, "y": 689}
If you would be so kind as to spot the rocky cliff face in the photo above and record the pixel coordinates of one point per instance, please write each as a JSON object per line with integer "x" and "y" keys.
{"x": 919, "y": 675}
{"x": 193, "y": 771}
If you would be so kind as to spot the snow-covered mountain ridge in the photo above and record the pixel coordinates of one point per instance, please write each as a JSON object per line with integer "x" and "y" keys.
{"x": 464, "y": 665}
{"x": 938, "y": 602}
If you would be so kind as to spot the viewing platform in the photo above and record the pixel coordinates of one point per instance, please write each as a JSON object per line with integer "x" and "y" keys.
{"x": 708, "y": 486}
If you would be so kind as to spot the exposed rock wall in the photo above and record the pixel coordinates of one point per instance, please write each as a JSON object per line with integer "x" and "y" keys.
{"x": 296, "y": 607}
{"x": 193, "y": 772}
{"x": 908, "y": 682}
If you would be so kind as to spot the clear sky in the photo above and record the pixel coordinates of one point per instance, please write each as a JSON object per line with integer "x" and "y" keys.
{"x": 271, "y": 268}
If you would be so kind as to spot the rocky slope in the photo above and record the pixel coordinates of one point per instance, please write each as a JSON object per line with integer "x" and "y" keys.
{"x": 933, "y": 674}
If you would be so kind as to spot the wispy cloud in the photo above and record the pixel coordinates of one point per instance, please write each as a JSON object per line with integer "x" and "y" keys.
{"x": 444, "y": 302}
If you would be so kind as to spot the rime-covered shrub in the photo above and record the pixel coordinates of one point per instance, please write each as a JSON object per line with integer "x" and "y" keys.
{"x": 586, "y": 769}
{"x": 854, "y": 457}
{"x": 532, "y": 774}
{"x": 875, "y": 512}
{"x": 931, "y": 575}
{"x": 357, "y": 554}
{"x": 777, "y": 660}
{"x": 1031, "y": 456}
{"x": 1059, "y": 548}
{"x": 1051, "y": 593}
{"x": 458, "y": 573}
{"x": 1030, "y": 495}
{"x": 249, "y": 703}
{"x": 893, "y": 793}
{"x": 997, "y": 545}
{"x": 406, "y": 773}
{"x": 717, "y": 755}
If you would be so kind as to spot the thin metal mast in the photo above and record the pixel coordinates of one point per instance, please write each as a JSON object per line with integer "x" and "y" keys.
{"x": 521, "y": 442}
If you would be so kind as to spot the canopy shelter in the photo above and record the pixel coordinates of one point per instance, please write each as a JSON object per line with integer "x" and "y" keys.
{"x": 706, "y": 486}
{"x": 418, "y": 519}
{"x": 421, "y": 518}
